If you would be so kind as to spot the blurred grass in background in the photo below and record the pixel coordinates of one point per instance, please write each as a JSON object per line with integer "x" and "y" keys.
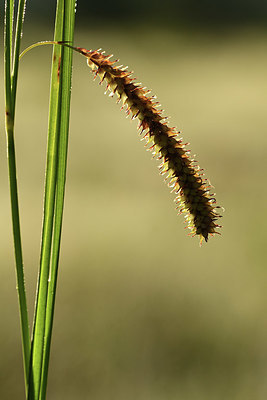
{"x": 142, "y": 311}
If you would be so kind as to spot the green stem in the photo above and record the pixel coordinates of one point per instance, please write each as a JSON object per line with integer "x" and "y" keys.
{"x": 19, "y": 25}
{"x": 10, "y": 100}
{"x": 18, "y": 253}
{"x": 49, "y": 202}
{"x": 69, "y": 15}
{"x": 9, "y": 9}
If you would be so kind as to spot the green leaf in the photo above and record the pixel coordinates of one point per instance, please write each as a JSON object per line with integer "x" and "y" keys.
{"x": 10, "y": 102}
{"x": 49, "y": 203}
{"x": 54, "y": 198}
{"x": 66, "y": 70}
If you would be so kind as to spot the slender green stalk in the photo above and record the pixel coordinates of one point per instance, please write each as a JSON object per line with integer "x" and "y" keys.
{"x": 69, "y": 16}
{"x": 10, "y": 101}
{"x": 19, "y": 26}
{"x": 37, "y": 44}
{"x": 9, "y": 9}
{"x": 49, "y": 203}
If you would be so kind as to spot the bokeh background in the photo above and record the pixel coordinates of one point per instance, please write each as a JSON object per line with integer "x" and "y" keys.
{"x": 142, "y": 311}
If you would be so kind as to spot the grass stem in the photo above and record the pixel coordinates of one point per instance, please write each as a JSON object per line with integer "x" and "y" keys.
{"x": 69, "y": 14}
{"x": 48, "y": 218}
{"x": 10, "y": 101}
{"x": 53, "y": 199}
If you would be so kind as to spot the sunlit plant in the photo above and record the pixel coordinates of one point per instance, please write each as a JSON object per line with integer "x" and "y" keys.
{"x": 183, "y": 175}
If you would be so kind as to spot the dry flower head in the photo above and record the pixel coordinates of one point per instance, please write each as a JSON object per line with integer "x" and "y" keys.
{"x": 184, "y": 176}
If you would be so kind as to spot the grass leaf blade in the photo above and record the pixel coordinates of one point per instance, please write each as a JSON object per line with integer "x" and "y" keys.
{"x": 69, "y": 16}
{"x": 49, "y": 202}
{"x": 10, "y": 100}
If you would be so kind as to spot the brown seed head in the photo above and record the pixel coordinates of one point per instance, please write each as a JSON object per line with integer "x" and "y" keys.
{"x": 185, "y": 177}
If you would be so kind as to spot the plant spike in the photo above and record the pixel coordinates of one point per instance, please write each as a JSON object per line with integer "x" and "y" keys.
{"x": 185, "y": 177}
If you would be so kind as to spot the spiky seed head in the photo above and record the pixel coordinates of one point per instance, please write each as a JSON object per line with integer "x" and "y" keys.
{"x": 183, "y": 174}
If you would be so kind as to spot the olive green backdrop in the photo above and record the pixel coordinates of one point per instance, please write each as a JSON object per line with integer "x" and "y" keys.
{"x": 144, "y": 313}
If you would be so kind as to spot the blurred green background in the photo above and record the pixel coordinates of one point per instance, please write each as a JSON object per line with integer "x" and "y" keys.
{"x": 142, "y": 311}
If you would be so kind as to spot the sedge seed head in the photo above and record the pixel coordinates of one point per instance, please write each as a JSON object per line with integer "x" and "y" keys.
{"x": 183, "y": 174}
